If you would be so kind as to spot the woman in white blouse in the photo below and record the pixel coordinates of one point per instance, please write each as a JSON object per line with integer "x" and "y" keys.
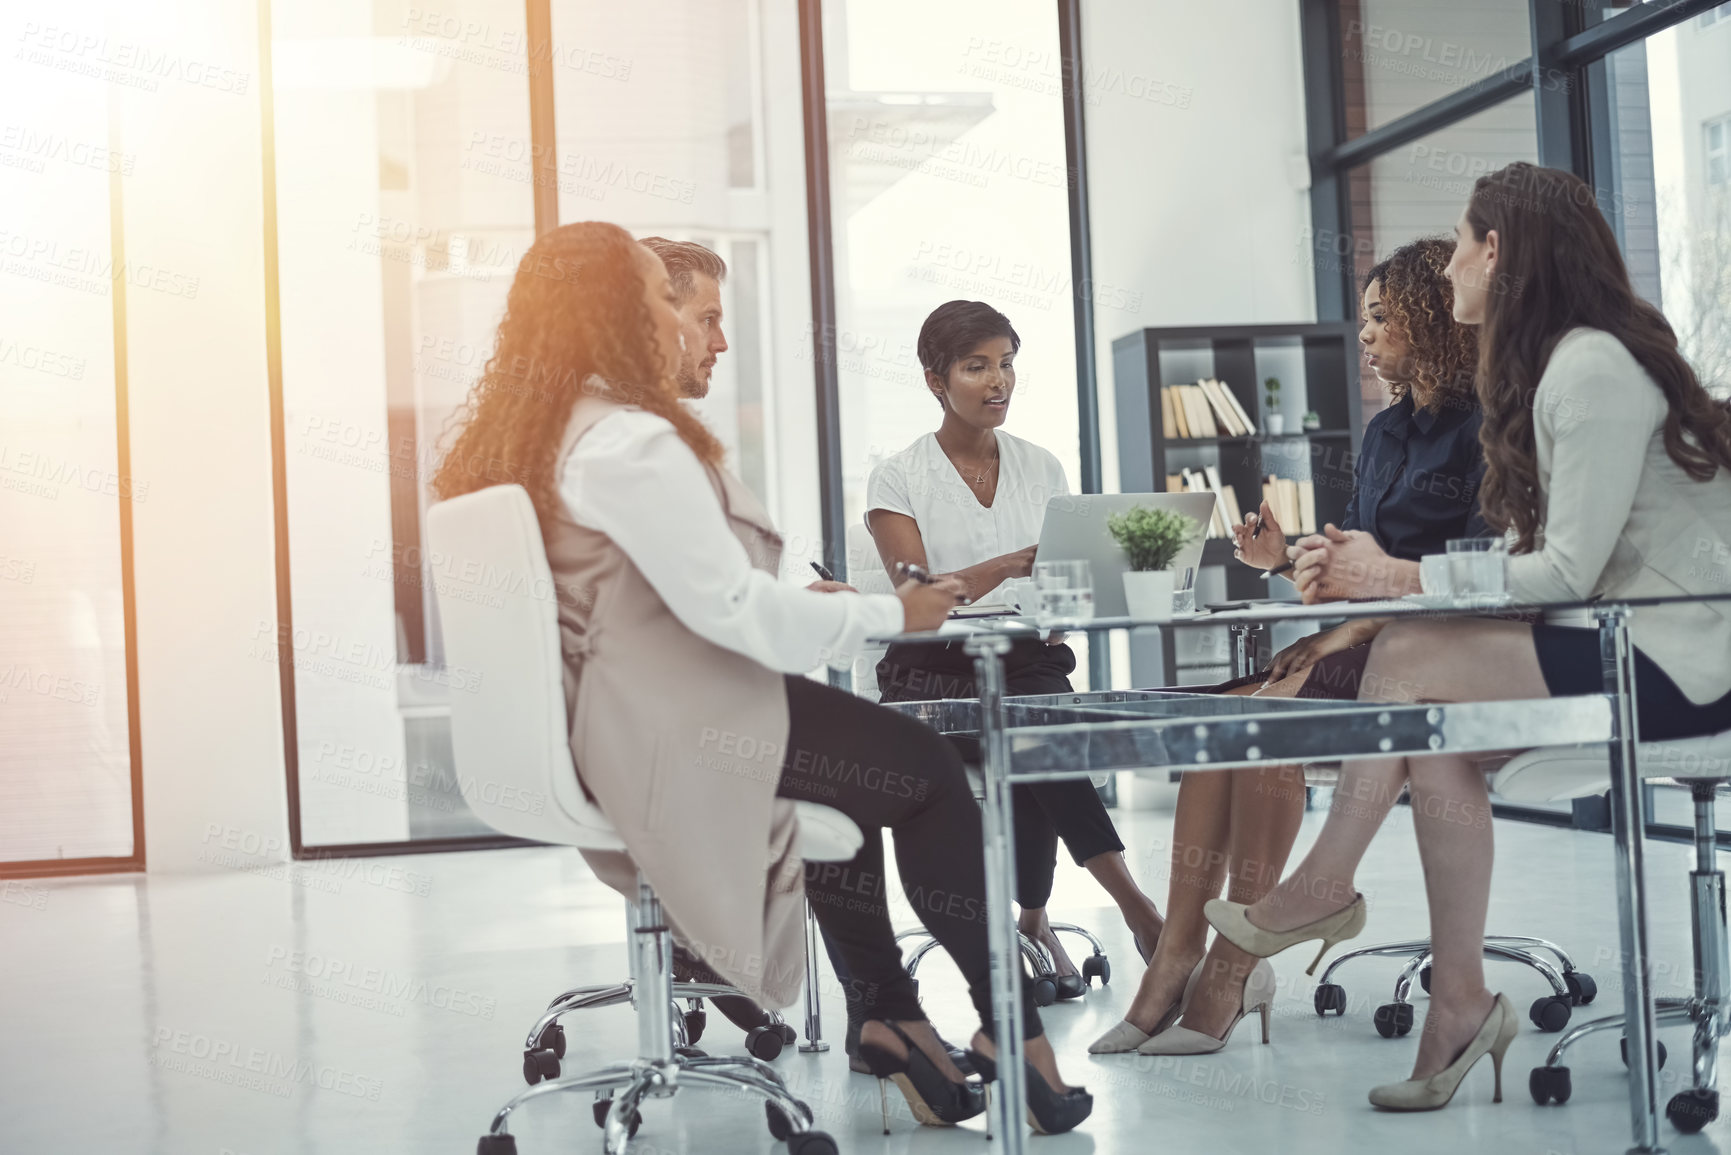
{"x": 967, "y": 502}
{"x": 1609, "y": 466}
{"x": 692, "y": 725}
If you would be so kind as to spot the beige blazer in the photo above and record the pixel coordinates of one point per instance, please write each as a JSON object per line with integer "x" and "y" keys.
{"x": 680, "y": 743}
{"x": 1621, "y": 519}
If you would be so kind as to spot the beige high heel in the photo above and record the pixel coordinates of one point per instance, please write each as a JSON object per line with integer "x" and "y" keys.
{"x": 1493, "y": 1039}
{"x": 1127, "y": 1036}
{"x": 1258, "y": 996}
{"x": 1230, "y": 920}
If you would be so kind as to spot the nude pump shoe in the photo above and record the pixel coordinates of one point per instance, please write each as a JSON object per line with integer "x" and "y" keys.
{"x": 1127, "y": 1036}
{"x": 1230, "y": 920}
{"x": 1258, "y": 996}
{"x": 1493, "y": 1039}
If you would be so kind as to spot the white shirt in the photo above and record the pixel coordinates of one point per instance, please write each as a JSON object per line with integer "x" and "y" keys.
{"x": 957, "y": 530}
{"x": 632, "y": 478}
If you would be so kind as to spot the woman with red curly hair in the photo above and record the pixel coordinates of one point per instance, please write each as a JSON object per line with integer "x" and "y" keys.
{"x": 1418, "y": 476}
{"x": 691, "y": 724}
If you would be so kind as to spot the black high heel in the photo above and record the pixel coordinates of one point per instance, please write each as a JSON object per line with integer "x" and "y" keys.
{"x": 1049, "y": 1113}
{"x": 933, "y": 1098}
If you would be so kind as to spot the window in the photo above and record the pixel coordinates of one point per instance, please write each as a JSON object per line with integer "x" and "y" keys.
{"x": 1717, "y": 154}
{"x": 1400, "y": 55}
{"x": 1713, "y": 16}
{"x": 950, "y": 182}
{"x": 67, "y": 761}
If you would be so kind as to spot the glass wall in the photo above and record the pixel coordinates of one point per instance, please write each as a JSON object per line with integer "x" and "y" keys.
{"x": 402, "y": 212}
{"x": 406, "y": 175}
{"x": 66, "y": 772}
{"x": 948, "y": 180}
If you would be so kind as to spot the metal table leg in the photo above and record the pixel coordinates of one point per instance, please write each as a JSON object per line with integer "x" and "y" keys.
{"x": 814, "y": 1043}
{"x": 1243, "y": 647}
{"x": 1628, "y": 832}
{"x": 988, "y": 651}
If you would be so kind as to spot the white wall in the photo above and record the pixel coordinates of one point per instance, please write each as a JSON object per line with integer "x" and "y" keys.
{"x": 209, "y": 710}
{"x": 1198, "y": 185}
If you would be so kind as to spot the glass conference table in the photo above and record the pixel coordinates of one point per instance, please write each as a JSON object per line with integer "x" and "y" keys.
{"x": 1050, "y": 737}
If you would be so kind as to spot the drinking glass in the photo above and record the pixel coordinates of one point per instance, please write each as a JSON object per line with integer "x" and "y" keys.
{"x": 1184, "y": 590}
{"x": 1065, "y": 592}
{"x": 1478, "y": 567}
{"x": 1433, "y": 574}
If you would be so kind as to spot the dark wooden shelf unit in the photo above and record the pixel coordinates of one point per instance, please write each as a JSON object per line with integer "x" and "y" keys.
{"x": 1330, "y": 355}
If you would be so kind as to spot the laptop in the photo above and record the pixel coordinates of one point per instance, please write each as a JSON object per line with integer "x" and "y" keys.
{"x": 1075, "y": 529}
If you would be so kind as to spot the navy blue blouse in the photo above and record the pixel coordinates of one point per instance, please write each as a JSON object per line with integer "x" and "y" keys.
{"x": 1418, "y": 479}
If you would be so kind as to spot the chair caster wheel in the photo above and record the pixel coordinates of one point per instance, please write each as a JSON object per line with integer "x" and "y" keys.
{"x": 764, "y": 1043}
{"x": 1330, "y": 997}
{"x": 540, "y": 1064}
{"x": 1550, "y": 1085}
{"x": 779, "y": 1126}
{"x": 811, "y": 1143}
{"x": 1045, "y": 992}
{"x": 1551, "y": 1012}
{"x": 1691, "y": 1110}
{"x": 497, "y": 1145}
{"x": 789, "y": 1036}
{"x": 1424, "y": 979}
{"x": 601, "y": 1107}
{"x": 695, "y": 1021}
{"x": 1581, "y": 986}
{"x": 1393, "y": 1019}
{"x": 553, "y": 1039}
{"x": 1623, "y": 1047}
{"x": 1097, "y": 966}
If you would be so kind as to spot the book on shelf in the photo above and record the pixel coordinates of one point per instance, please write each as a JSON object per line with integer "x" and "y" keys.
{"x": 1197, "y": 481}
{"x": 1307, "y": 506}
{"x": 1228, "y": 497}
{"x": 1206, "y": 408}
{"x": 1293, "y": 503}
{"x": 1224, "y": 415}
{"x": 1237, "y": 408}
{"x": 1173, "y": 403}
{"x": 1196, "y": 412}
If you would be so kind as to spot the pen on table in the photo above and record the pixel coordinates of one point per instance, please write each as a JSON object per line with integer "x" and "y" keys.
{"x": 823, "y": 571}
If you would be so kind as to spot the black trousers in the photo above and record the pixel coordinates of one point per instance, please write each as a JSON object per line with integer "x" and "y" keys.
{"x": 1044, "y": 811}
{"x": 887, "y": 771}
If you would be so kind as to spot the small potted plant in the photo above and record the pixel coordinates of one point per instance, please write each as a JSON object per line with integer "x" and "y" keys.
{"x": 1273, "y": 420}
{"x": 1151, "y": 539}
{"x": 1312, "y": 421}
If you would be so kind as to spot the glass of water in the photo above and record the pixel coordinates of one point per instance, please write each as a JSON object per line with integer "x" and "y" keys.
{"x": 1065, "y": 592}
{"x": 1184, "y": 590}
{"x": 1478, "y": 567}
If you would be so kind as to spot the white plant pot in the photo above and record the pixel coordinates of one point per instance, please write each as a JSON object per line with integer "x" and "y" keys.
{"x": 1148, "y": 594}
{"x": 1276, "y": 423}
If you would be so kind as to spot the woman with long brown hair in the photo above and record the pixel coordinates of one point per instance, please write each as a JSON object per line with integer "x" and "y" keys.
{"x": 1416, "y": 487}
{"x": 690, "y": 723}
{"x": 1609, "y": 466}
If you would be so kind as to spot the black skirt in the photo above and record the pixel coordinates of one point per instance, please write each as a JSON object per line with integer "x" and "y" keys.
{"x": 1569, "y": 660}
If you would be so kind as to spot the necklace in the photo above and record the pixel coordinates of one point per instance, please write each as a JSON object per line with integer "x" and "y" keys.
{"x": 980, "y": 474}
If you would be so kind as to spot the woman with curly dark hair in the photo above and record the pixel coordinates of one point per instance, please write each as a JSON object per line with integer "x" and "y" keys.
{"x": 691, "y": 724}
{"x": 1417, "y": 485}
{"x": 1609, "y": 466}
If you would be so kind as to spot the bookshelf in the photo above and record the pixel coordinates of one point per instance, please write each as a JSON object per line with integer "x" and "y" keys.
{"x": 1318, "y": 368}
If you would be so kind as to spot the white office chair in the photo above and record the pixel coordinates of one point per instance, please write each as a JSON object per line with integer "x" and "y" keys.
{"x": 1703, "y": 764}
{"x": 510, "y": 739}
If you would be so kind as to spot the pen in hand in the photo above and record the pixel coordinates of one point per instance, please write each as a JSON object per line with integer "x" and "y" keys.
{"x": 823, "y": 571}
{"x": 912, "y": 572}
